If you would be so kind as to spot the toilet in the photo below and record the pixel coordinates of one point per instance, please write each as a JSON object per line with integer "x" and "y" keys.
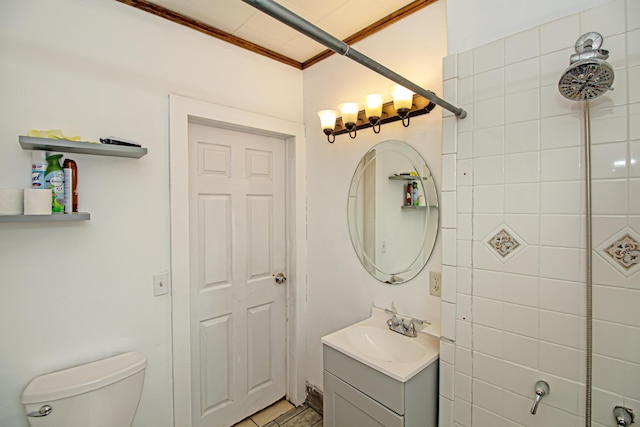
{"x": 104, "y": 393}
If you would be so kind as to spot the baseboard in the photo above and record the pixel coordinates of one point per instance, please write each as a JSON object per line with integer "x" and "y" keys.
{"x": 314, "y": 398}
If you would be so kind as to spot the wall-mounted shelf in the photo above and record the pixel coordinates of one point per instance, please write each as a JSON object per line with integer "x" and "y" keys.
{"x": 412, "y": 207}
{"x": 404, "y": 177}
{"x": 80, "y": 216}
{"x": 81, "y": 147}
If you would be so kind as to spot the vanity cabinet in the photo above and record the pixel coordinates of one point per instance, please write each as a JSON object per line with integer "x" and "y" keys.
{"x": 358, "y": 395}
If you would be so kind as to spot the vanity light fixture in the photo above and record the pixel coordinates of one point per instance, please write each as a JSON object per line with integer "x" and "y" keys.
{"x": 405, "y": 104}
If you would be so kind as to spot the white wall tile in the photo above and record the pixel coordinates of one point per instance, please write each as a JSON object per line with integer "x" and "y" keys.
{"x": 449, "y": 286}
{"x": 526, "y": 226}
{"x": 633, "y": 14}
{"x": 448, "y": 320}
{"x": 634, "y": 200}
{"x": 609, "y": 125}
{"x": 463, "y": 334}
{"x": 561, "y": 197}
{"x": 488, "y": 369}
{"x": 449, "y": 246}
{"x": 522, "y": 137}
{"x": 462, "y": 412}
{"x": 617, "y": 47}
{"x": 561, "y": 230}
{"x": 525, "y": 261}
{"x": 607, "y": 19}
{"x": 520, "y": 350}
{"x": 560, "y": 165}
{"x": 463, "y": 278}
{"x": 522, "y": 167}
{"x": 634, "y": 84}
{"x": 449, "y": 135}
{"x": 488, "y": 142}
{"x": 463, "y": 307}
{"x": 464, "y": 173}
{"x": 633, "y": 48}
{"x": 634, "y": 121}
{"x": 609, "y": 196}
{"x": 465, "y": 227}
{"x": 449, "y": 164}
{"x": 488, "y": 284}
{"x": 466, "y": 124}
{"x": 520, "y": 289}
{"x": 516, "y": 408}
{"x": 488, "y": 312}
{"x": 521, "y": 320}
{"x": 488, "y": 397}
{"x": 463, "y": 255}
{"x": 488, "y": 341}
{"x": 445, "y": 412}
{"x": 606, "y": 274}
{"x": 610, "y": 301}
{"x": 603, "y": 404}
{"x": 463, "y": 360}
{"x": 563, "y": 296}
{"x": 446, "y": 380}
{"x": 631, "y": 381}
{"x": 519, "y": 379}
{"x": 559, "y": 34}
{"x": 630, "y": 307}
{"x": 565, "y": 394}
{"x": 522, "y": 106}
{"x": 560, "y": 328}
{"x": 605, "y": 226}
{"x": 447, "y": 351}
{"x": 465, "y": 145}
{"x": 488, "y": 199}
{"x": 465, "y": 64}
{"x": 488, "y": 170}
{"x": 465, "y": 90}
{"x": 560, "y": 263}
{"x": 489, "y": 84}
{"x": 484, "y": 225}
{"x": 561, "y": 361}
{"x": 561, "y": 131}
{"x": 449, "y": 67}
{"x": 485, "y": 258}
{"x": 608, "y": 373}
{"x": 634, "y": 161}
{"x": 522, "y": 76}
{"x": 448, "y": 209}
{"x": 522, "y": 46}
{"x": 609, "y": 160}
{"x": 488, "y": 113}
{"x": 552, "y": 103}
{"x": 464, "y": 199}
{"x": 553, "y": 65}
{"x": 522, "y": 198}
{"x": 488, "y": 56}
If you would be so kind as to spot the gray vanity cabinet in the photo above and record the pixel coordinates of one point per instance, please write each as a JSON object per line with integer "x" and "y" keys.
{"x": 358, "y": 395}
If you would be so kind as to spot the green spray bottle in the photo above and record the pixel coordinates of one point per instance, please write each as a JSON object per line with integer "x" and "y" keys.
{"x": 54, "y": 179}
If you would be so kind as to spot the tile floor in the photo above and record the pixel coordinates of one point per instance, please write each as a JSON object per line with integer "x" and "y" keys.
{"x": 283, "y": 414}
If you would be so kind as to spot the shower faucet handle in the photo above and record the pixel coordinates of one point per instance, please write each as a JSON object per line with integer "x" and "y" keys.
{"x": 542, "y": 389}
{"x": 624, "y": 416}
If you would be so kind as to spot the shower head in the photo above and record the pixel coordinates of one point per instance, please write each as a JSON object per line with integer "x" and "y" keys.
{"x": 589, "y": 75}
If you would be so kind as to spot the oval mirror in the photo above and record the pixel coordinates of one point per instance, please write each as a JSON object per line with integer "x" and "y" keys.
{"x": 393, "y": 227}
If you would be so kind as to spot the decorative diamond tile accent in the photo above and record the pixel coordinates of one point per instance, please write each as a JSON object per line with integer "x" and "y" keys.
{"x": 625, "y": 251}
{"x": 622, "y": 251}
{"x": 504, "y": 243}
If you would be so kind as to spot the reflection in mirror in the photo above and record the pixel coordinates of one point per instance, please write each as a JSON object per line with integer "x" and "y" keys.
{"x": 393, "y": 212}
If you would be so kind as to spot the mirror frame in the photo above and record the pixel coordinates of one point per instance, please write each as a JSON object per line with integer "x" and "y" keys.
{"x": 364, "y": 248}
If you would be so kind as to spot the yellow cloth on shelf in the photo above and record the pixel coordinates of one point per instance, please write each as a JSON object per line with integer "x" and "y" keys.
{"x": 54, "y": 134}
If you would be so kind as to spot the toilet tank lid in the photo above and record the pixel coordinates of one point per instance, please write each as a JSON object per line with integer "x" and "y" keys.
{"x": 83, "y": 378}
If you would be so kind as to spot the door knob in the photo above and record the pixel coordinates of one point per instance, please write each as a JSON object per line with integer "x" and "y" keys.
{"x": 280, "y": 278}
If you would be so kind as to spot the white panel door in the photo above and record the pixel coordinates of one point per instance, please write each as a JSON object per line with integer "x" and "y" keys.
{"x": 237, "y": 245}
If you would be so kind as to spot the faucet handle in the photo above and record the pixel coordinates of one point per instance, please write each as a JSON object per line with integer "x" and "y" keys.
{"x": 624, "y": 416}
{"x": 542, "y": 389}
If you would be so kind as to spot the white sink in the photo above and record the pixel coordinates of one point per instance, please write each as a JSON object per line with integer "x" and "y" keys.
{"x": 372, "y": 343}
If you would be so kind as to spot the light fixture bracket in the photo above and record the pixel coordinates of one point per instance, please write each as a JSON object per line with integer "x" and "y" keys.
{"x": 419, "y": 107}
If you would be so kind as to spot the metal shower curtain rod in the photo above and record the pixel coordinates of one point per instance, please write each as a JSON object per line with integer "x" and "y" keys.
{"x": 305, "y": 27}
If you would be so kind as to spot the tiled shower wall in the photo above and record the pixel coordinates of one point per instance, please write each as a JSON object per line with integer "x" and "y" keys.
{"x": 513, "y": 200}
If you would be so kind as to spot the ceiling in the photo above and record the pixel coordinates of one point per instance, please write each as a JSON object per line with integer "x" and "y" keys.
{"x": 241, "y": 24}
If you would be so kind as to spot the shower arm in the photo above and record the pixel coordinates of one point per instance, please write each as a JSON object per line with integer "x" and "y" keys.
{"x": 305, "y": 27}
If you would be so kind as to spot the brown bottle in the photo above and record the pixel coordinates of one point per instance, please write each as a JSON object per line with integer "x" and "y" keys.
{"x": 409, "y": 197}
{"x": 70, "y": 186}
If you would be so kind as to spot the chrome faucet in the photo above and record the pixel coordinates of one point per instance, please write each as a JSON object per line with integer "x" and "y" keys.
{"x": 406, "y": 326}
{"x": 624, "y": 416}
{"x": 542, "y": 389}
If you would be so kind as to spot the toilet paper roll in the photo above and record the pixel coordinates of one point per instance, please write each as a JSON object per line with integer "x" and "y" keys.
{"x": 37, "y": 201}
{"x": 11, "y": 201}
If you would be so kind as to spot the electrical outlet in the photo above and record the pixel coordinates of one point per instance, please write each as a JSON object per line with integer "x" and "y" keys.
{"x": 160, "y": 284}
{"x": 435, "y": 283}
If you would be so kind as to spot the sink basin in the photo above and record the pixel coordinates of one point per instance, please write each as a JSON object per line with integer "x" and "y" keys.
{"x": 384, "y": 345}
{"x": 372, "y": 343}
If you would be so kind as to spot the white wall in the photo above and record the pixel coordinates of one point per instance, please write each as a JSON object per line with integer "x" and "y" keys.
{"x": 471, "y": 23}
{"x": 76, "y": 292}
{"x": 340, "y": 291}
{"x": 517, "y": 162}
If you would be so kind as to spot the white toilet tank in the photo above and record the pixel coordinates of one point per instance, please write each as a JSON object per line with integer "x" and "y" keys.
{"x": 104, "y": 393}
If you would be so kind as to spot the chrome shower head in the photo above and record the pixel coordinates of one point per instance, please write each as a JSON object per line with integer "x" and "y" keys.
{"x": 589, "y": 75}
